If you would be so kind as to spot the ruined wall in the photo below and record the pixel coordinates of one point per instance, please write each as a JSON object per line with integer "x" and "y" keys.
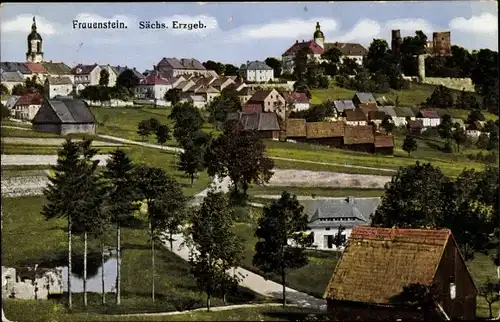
{"x": 453, "y": 83}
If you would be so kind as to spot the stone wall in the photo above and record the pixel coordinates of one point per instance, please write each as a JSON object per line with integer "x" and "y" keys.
{"x": 453, "y": 83}
{"x": 110, "y": 103}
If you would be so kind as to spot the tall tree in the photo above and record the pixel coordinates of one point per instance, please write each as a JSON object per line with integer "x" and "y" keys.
{"x": 162, "y": 134}
{"x": 156, "y": 187}
{"x": 441, "y": 97}
{"x": 62, "y": 192}
{"x": 445, "y": 128}
{"x": 301, "y": 60}
{"x": 459, "y": 135}
{"x": 227, "y": 102}
{"x": 230, "y": 70}
{"x": 4, "y": 90}
{"x": 409, "y": 144}
{"x": 215, "y": 247}
{"x": 104, "y": 77}
{"x": 5, "y": 111}
{"x": 484, "y": 75}
{"x": 144, "y": 129}
{"x": 187, "y": 123}
{"x": 191, "y": 160}
{"x": 340, "y": 239}
{"x": 120, "y": 197}
{"x": 489, "y": 290}
{"x": 239, "y": 154}
{"x": 127, "y": 79}
{"x": 275, "y": 64}
{"x": 172, "y": 96}
{"x": 388, "y": 124}
{"x": 282, "y": 221}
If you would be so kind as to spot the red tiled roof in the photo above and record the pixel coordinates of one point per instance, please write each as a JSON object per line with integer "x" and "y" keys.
{"x": 154, "y": 80}
{"x": 36, "y": 68}
{"x": 30, "y": 99}
{"x": 417, "y": 236}
{"x": 300, "y": 98}
{"x": 384, "y": 141}
{"x": 295, "y": 48}
{"x": 429, "y": 114}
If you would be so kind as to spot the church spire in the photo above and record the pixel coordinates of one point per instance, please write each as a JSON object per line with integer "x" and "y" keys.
{"x": 319, "y": 37}
{"x": 33, "y": 26}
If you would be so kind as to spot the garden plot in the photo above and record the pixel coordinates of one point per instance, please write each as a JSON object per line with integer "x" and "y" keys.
{"x": 49, "y": 141}
{"x": 304, "y": 178}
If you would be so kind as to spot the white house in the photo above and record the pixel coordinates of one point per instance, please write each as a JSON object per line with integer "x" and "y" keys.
{"x": 152, "y": 87}
{"x": 11, "y": 79}
{"x": 300, "y": 101}
{"x": 403, "y": 114}
{"x": 474, "y": 130}
{"x": 55, "y": 86}
{"x": 327, "y": 215}
{"x": 27, "y": 106}
{"x": 86, "y": 75}
{"x": 257, "y": 71}
{"x": 429, "y": 118}
{"x": 197, "y": 100}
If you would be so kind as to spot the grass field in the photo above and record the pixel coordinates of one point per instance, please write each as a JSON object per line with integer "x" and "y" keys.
{"x": 46, "y": 242}
{"x": 450, "y": 163}
{"x": 43, "y": 311}
{"x": 312, "y": 166}
{"x": 317, "y": 191}
{"x": 48, "y": 150}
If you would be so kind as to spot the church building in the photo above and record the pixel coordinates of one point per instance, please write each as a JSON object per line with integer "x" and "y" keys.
{"x": 317, "y": 47}
{"x": 35, "y": 52}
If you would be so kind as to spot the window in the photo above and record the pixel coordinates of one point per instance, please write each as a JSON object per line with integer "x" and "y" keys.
{"x": 327, "y": 228}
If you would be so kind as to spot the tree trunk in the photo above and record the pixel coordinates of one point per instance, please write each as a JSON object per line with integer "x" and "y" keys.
{"x": 171, "y": 242}
{"x": 70, "y": 299}
{"x": 152, "y": 263}
{"x": 85, "y": 269}
{"x": 498, "y": 272}
{"x": 208, "y": 302}
{"x": 283, "y": 280}
{"x": 102, "y": 274}
{"x": 118, "y": 263}
{"x": 491, "y": 311}
{"x": 192, "y": 179}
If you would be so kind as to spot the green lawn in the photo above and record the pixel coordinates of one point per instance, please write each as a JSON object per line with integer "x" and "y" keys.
{"x": 122, "y": 122}
{"x": 312, "y": 278}
{"x": 320, "y": 192}
{"x": 463, "y": 114}
{"x": 46, "y": 242}
{"x": 48, "y": 150}
{"x": 311, "y": 166}
{"x": 44, "y": 311}
{"x": 450, "y": 163}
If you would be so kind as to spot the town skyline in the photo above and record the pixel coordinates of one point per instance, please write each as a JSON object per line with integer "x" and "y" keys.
{"x": 233, "y": 33}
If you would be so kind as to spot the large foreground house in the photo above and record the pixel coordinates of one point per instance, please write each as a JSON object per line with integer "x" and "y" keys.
{"x": 317, "y": 47}
{"x": 327, "y": 215}
{"x": 377, "y": 265}
{"x": 63, "y": 115}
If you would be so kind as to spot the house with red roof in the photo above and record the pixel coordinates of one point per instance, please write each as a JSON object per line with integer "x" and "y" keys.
{"x": 27, "y": 106}
{"x": 299, "y": 101}
{"x": 38, "y": 70}
{"x": 152, "y": 87}
{"x": 317, "y": 47}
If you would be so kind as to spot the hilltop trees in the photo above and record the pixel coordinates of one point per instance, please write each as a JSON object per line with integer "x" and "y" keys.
{"x": 239, "y": 154}
{"x": 441, "y": 97}
{"x": 422, "y": 196}
{"x": 215, "y": 247}
{"x": 283, "y": 222}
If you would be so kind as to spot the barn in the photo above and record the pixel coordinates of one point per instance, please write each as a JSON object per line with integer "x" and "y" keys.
{"x": 64, "y": 115}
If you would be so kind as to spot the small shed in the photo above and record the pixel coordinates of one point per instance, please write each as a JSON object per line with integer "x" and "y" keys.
{"x": 64, "y": 116}
{"x": 326, "y": 133}
{"x": 377, "y": 265}
{"x": 384, "y": 144}
{"x": 359, "y": 138}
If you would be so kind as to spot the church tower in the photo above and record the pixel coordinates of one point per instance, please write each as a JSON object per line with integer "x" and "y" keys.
{"x": 319, "y": 38}
{"x": 35, "y": 52}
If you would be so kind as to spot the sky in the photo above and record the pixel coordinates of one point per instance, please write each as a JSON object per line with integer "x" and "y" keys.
{"x": 234, "y": 32}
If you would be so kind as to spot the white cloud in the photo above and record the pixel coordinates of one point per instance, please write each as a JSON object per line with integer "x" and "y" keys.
{"x": 410, "y": 24}
{"x": 22, "y": 24}
{"x": 288, "y": 29}
{"x": 365, "y": 29}
{"x": 484, "y": 23}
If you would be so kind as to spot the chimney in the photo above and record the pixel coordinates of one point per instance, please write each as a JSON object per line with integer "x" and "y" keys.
{"x": 296, "y": 41}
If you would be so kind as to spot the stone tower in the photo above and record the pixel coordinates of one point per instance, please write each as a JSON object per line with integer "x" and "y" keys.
{"x": 319, "y": 37}
{"x": 35, "y": 52}
{"x": 396, "y": 41}
{"x": 441, "y": 43}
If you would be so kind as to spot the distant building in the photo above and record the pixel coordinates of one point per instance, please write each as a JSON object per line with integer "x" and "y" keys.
{"x": 63, "y": 116}
{"x": 152, "y": 87}
{"x": 35, "y": 50}
{"x": 27, "y": 106}
{"x": 86, "y": 75}
{"x": 256, "y": 71}
{"x": 11, "y": 79}
{"x": 265, "y": 101}
{"x": 364, "y": 100}
{"x": 173, "y": 67}
{"x": 317, "y": 47}
{"x": 58, "y": 86}
{"x": 299, "y": 101}
{"x": 429, "y": 118}
{"x": 266, "y": 124}
{"x": 474, "y": 130}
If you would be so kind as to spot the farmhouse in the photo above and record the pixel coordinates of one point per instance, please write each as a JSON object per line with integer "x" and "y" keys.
{"x": 152, "y": 87}
{"x": 266, "y": 100}
{"x": 429, "y": 118}
{"x": 326, "y": 216}
{"x": 63, "y": 116}
{"x": 403, "y": 115}
{"x": 86, "y": 75}
{"x": 341, "y": 106}
{"x": 266, "y": 124}
{"x": 27, "y": 106}
{"x": 474, "y": 129}
{"x": 58, "y": 86}
{"x": 378, "y": 263}
{"x": 173, "y": 67}
{"x": 354, "y": 117}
